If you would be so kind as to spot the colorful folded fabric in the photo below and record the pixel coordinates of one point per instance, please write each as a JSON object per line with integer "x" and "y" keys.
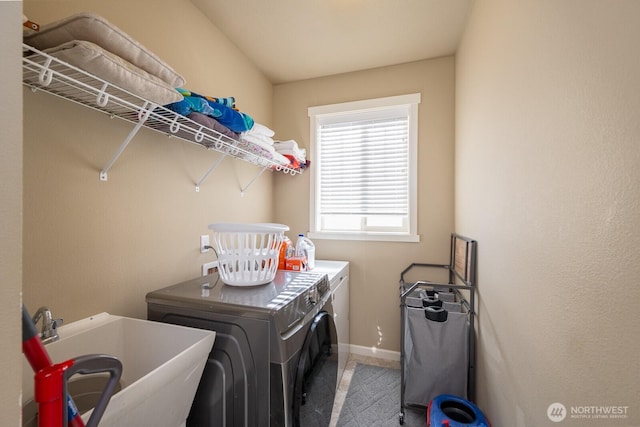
{"x": 227, "y": 116}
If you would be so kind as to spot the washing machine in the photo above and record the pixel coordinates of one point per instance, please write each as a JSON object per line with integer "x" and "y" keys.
{"x": 275, "y": 359}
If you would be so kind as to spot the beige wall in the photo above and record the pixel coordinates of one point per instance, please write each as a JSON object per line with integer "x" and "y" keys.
{"x": 547, "y": 173}
{"x": 375, "y": 266}
{"x": 10, "y": 212}
{"x": 92, "y": 246}
{"x": 547, "y": 166}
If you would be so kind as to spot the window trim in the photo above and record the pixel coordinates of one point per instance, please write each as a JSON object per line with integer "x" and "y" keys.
{"x": 411, "y": 101}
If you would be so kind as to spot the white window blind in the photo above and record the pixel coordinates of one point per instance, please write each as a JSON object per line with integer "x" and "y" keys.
{"x": 364, "y": 177}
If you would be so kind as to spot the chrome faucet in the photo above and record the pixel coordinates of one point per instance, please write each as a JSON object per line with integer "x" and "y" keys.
{"x": 49, "y": 331}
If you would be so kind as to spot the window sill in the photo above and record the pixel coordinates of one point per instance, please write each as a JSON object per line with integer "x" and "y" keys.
{"x": 373, "y": 237}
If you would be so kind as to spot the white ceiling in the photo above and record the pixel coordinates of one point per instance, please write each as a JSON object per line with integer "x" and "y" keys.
{"x": 293, "y": 40}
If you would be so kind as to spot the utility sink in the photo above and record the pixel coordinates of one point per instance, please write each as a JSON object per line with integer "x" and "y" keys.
{"x": 162, "y": 365}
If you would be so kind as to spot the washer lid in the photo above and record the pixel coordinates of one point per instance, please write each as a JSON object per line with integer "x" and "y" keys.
{"x": 289, "y": 297}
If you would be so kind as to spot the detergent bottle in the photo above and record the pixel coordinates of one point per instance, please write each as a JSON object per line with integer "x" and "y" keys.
{"x": 306, "y": 248}
{"x": 286, "y": 251}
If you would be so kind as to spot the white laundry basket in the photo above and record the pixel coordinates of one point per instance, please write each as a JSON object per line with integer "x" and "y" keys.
{"x": 247, "y": 253}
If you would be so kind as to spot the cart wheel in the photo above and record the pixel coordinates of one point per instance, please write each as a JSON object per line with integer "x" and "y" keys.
{"x": 401, "y": 418}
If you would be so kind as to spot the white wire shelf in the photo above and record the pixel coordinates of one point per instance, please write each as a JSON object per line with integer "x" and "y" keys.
{"x": 43, "y": 72}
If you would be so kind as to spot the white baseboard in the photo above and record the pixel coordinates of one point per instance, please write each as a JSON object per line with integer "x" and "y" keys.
{"x": 378, "y": 353}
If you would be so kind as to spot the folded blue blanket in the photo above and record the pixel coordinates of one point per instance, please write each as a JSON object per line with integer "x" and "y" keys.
{"x": 227, "y": 116}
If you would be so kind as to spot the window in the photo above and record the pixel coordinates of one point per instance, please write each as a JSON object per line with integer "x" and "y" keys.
{"x": 363, "y": 183}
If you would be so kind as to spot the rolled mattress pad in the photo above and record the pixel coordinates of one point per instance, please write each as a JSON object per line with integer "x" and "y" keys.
{"x": 114, "y": 69}
{"x": 97, "y": 30}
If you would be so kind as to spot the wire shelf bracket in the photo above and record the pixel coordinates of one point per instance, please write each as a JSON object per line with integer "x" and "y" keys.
{"x": 143, "y": 115}
{"x": 211, "y": 169}
{"x": 246, "y": 187}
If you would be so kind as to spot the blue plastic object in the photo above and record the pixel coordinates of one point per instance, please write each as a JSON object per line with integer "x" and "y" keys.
{"x": 453, "y": 411}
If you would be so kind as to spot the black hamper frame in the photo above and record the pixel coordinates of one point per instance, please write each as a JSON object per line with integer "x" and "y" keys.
{"x": 461, "y": 282}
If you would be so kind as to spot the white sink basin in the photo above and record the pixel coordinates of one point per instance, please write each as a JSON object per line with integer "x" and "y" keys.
{"x": 162, "y": 365}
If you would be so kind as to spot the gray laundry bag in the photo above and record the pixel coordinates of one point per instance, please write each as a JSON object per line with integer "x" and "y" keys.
{"x": 436, "y": 355}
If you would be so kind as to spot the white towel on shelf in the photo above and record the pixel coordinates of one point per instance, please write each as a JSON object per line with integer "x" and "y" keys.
{"x": 261, "y": 136}
{"x": 290, "y": 144}
{"x": 291, "y": 148}
{"x": 279, "y": 158}
{"x": 258, "y": 139}
{"x": 260, "y": 142}
{"x": 261, "y": 129}
{"x": 298, "y": 154}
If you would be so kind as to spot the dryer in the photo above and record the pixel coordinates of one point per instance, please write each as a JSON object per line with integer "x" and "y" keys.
{"x": 275, "y": 359}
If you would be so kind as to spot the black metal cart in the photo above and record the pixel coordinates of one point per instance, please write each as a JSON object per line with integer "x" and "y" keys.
{"x": 437, "y": 328}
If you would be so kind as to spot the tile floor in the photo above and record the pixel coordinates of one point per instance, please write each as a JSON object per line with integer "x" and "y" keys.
{"x": 343, "y": 387}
